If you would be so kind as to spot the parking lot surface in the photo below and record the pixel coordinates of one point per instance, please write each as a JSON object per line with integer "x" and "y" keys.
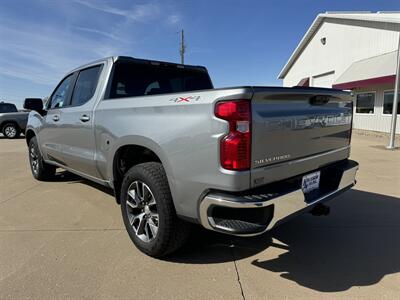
{"x": 66, "y": 239}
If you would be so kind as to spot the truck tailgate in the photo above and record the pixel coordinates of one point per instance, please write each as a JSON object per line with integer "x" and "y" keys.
{"x": 294, "y": 125}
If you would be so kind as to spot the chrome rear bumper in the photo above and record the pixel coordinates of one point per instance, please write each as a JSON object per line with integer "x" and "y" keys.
{"x": 283, "y": 205}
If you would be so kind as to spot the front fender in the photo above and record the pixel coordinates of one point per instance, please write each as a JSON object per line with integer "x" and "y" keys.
{"x": 34, "y": 124}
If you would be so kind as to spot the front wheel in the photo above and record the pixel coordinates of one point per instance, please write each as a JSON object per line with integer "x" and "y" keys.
{"x": 11, "y": 131}
{"x": 40, "y": 170}
{"x": 148, "y": 211}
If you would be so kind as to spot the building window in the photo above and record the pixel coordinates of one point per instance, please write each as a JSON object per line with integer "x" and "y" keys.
{"x": 365, "y": 103}
{"x": 388, "y": 103}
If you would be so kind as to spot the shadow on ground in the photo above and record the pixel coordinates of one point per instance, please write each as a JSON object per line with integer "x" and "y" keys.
{"x": 21, "y": 137}
{"x": 207, "y": 247}
{"x": 356, "y": 245}
{"x": 65, "y": 176}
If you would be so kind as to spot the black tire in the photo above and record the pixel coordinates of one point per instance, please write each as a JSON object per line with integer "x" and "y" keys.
{"x": 172, "y": 232}
{"x": 11, "y": 131}
{"x": 40, "y": 170}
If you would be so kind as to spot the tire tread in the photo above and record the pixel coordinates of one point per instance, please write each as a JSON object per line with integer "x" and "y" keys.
{"x": 175, "y": 231}
{"x": 46, "y": 171}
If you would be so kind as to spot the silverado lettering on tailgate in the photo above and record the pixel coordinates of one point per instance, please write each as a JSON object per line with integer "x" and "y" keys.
{"x": 308, "y": 122}
{"x": 271, "y": 159}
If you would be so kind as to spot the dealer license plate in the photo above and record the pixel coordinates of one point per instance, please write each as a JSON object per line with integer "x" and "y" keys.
{"x": 310, "y": 182}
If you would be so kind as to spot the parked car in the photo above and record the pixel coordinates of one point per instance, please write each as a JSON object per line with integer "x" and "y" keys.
{"x": 176, "y": 151}
{"x": 12, "y": 122}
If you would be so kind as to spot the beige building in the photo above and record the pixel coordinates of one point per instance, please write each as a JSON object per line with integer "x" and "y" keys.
{"x": 351, "y": 51}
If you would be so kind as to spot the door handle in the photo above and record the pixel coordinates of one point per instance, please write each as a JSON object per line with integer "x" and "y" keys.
{"x": 56, "y": 118}
{"x": 84, "y": 118}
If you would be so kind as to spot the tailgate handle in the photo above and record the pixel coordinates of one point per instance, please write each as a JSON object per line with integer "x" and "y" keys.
{"x": 319, "y": 100}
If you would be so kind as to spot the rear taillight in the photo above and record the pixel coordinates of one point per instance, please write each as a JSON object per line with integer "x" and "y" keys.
{"x": 235, "y": 147}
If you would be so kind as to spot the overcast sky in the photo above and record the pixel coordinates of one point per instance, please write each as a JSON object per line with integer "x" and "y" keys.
{"x": 240, "y": 42}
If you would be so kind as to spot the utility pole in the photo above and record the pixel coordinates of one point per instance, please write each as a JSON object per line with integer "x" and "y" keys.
{"x": 182, "y": 48}
{"x": 395, "y": 102}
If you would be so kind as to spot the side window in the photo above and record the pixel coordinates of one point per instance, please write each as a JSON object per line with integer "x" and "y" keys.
{"x": 59, "y": 97}
{"x": 365, "y": 103}
{"x": 131, "y": 79}
{"x": 152, "y": 88}
{"x": 7, "y": 108}
{"x": 85, "y": 85}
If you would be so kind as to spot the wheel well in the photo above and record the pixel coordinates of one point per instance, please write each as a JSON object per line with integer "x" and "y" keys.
{"x": 125, "y": 158}
{"x": 28, "y": 136}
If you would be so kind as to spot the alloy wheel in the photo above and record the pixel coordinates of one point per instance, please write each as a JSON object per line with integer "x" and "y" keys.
{"x": 34, "y": 158}
{"x": 10, "y": 131}
{"x": 142, "y": 212}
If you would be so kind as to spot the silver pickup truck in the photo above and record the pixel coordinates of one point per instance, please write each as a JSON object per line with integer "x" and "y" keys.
{"x": 177, "y": 151}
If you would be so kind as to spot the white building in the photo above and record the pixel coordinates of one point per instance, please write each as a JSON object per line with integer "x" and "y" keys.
{"x": 351, "y": 51}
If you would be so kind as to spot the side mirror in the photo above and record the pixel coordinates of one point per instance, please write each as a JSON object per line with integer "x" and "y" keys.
{"x": 34, "y": 104}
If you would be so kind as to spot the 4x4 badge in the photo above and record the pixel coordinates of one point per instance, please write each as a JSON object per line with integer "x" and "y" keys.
{"x": 185, "y": 99}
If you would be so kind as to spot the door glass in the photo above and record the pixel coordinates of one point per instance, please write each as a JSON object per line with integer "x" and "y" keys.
{"x": 85, "y": 85}
{"x": 59, "y": 97}
{"x": 152, "y": 88}
{"x": 7, "y": 108}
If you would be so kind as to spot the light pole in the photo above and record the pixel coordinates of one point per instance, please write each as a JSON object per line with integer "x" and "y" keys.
{"x": 182, "y": 48}
{"x": 395, "y": 102}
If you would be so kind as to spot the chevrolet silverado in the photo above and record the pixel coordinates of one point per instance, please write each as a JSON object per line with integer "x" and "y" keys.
{"x": 176, "y": 151}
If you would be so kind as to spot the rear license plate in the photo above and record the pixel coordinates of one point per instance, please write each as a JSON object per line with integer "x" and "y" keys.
{"x": 310, "y": 182}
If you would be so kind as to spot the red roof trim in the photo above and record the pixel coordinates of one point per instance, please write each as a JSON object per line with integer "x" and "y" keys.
{"x": 365, "y": 82}
{"x": 304, "y": 82}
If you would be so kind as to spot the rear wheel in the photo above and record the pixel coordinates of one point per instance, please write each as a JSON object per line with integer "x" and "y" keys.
{"x": 40, "y": 170}
{"x": 148, "y": 211}
{"x": 11, "y": 130}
